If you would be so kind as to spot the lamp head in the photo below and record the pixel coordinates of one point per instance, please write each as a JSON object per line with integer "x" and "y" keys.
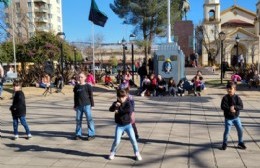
{"x": 61, "y": 35}
{"x": 222, "y": 36}
{"x": 237, "y": 38}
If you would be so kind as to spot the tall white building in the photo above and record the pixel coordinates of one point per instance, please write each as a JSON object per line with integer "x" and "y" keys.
{"x": 29, "y": 16}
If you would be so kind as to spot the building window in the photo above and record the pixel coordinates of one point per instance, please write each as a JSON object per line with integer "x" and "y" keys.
{"x": 29, "y": 4}
{"x": 59, "y": 19}
{"x": 58, "y": 1}
{"x": 58, "y": 9}
{"x": 30, "y": 15}
{"x": 17, "y": 5}
{"x": 212, "y": 15}
{"x": 49, "y": 6}
{"x": 49, "y": 16}
{"x": 59, "y": 28}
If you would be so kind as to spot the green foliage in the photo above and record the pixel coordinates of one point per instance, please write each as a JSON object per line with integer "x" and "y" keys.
{"x": 6, "y": 52}
{"x": 113, "y": 61}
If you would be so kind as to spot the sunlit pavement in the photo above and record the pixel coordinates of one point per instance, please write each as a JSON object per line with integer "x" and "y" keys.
{"x": 175, "y": 132}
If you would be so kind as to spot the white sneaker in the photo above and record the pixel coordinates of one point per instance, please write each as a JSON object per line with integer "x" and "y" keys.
{"x": 29, "y": 136}
{"x": 16, "y": 137}
{"x": 111, "y": 156}
{"x": 138, "y": 156}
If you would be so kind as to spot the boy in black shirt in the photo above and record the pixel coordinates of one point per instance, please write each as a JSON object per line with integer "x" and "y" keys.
{"x": 18, "y": 109}
{"x": 231, "y": 105}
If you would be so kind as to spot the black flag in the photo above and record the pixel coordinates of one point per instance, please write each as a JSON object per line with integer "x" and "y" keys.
{"x": 96, "y": 16}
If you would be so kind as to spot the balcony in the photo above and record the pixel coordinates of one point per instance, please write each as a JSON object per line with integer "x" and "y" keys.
{"x": 40, "y": 1}
{"x": 41, "y": 9}
{"x": 42, "y": 28}
{"x": 41, "y": 19}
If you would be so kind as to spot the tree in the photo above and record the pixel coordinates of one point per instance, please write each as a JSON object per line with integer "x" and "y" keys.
{"x": 212, "y": 46}
{"x": 148, "y": 17}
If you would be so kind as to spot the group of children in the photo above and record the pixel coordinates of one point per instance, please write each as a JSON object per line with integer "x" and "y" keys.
{"x": 124, "y": 108}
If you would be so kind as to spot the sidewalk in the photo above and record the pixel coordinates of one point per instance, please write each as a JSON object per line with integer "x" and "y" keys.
{"x": 175, "y": 132}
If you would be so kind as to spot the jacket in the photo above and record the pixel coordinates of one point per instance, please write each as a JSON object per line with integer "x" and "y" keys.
{"x": 18, "y": 108}
{"x": 122, "y": 113}
{"x": 228, "y": 101}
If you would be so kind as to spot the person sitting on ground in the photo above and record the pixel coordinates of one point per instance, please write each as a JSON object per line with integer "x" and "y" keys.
{"x": 161, "y": 86}
{"x": 180, "y": 89}
{"x": 73, "y": 80}
{"x": 235, "y": 78}
{"x": 153, "y": 84}
{"x": 45, "y": 81}
{"x": 108, "y": 81}
{"x": 172, "y": 87}
{"x": 254, "y": 81}
{"x": 197, "y": 85}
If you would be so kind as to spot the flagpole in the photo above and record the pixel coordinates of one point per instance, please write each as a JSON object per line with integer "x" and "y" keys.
{"x": 169, "y": 21}
{"x": 93, "y": 50}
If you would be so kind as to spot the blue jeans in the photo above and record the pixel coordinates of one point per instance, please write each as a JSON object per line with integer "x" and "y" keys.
{"x": 1, "y": 88}
{"x": 228, "y": 125}
{"x": 118, "y": 134}
{"x": 23, "y": 122}
{"x": 87, "y": 111}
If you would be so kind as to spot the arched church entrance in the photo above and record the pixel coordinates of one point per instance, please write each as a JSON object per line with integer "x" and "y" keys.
{"x": 236, "y": 51}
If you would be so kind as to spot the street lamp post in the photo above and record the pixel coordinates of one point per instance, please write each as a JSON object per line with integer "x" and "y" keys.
{"x": 132, "y": 47}
{"x": 237, "y": 43}
{"x": 61, "y": 35}
{"x": 222, "y": 37}
{"x": 124, "y": 56}
{"x": 75, "y": 54}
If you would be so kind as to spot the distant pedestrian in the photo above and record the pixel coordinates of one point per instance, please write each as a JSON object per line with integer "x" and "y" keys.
{"x": 83, "y": 103}
{"x": 18, "y": 109}
{"x": 231, "y": 104}
{"x": 142, "y": 72}
{"x": 122, "y": 108}
{"x": 1, "y": 80}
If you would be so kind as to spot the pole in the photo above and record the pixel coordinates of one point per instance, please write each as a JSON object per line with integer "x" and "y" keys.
{"x": 62, "y": 59}
{"x": 93, "y": 51}
{"x": 124, "y": 59}
{"x": 169, "y": 21}
{"x": 75, "y": 62}
{"x": 221, "y": 64}
{"x": 14, "y": 49}
{"x": 133, "y": 73}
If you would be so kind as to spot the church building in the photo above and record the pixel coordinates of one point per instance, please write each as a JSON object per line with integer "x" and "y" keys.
{"x": 241, "y": 28}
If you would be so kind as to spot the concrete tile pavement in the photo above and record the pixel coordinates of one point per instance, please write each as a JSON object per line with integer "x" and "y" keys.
{"x": 174, "y": 132}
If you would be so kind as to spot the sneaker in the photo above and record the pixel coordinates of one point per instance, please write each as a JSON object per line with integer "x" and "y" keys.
{"x": 90, "y": 138}
{"x": 138, "y": 156}
{"x": 16, "y": 137}
{"x": 241, "y": 146}
{"x": 111, "y": 156}
{"x": 77, "y": 137}
{"x": 224, "y": 146}
{"x": 29, "y": 136}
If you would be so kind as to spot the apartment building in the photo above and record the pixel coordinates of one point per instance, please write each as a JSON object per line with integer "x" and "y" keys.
{"x": 29, "y": 16}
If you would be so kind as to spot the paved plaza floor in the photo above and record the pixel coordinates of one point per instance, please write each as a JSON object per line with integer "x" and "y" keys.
{"x": 175, "y": 132}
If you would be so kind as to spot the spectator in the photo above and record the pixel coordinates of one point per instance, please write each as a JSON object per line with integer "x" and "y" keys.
{"x": 142, "y": 72}
{"x": 180, "y": 89}
{"x": 108, "y": 81}
{"x": 90, "y": 79}
{"x": 172, "y": 87}
{"x": 161, "y": 86}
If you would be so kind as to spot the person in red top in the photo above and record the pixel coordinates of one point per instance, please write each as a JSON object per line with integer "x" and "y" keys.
{"x": 108, "y": 81}
{"x": 90, "y": 79}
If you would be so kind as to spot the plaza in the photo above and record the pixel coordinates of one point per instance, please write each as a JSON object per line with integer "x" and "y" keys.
{"x": 175, "y": 132}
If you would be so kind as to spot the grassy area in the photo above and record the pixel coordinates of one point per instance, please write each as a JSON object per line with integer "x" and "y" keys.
{"x": 215, "y": 83}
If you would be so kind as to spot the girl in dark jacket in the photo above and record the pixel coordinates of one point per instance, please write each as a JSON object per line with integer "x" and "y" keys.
{"x": 18, "y": 109}
{"x": 122, "y": 108}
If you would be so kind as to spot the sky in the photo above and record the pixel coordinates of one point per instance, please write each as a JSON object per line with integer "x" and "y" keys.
{"x": 78, "y": 28}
